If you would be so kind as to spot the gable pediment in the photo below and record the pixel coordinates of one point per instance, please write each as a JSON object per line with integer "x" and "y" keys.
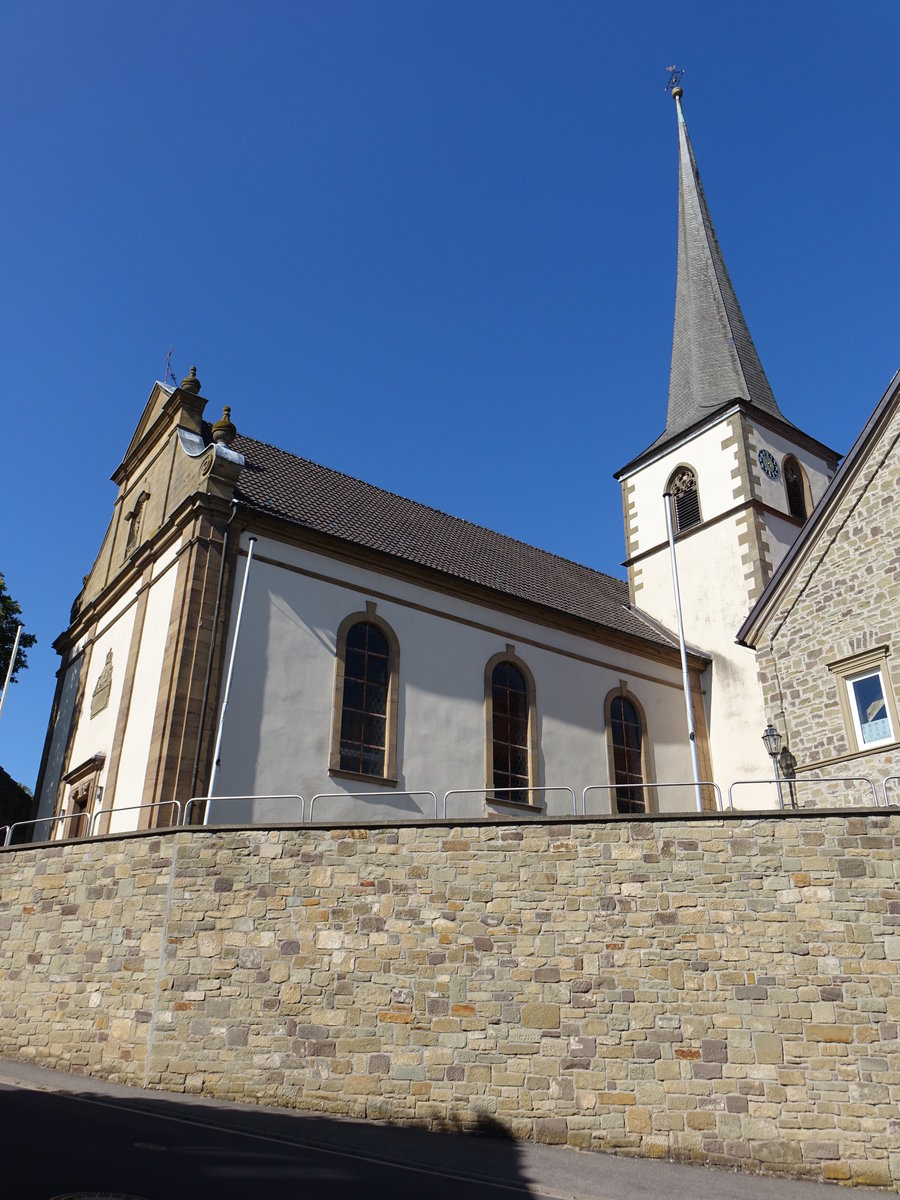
{"x": 165, "y": 407}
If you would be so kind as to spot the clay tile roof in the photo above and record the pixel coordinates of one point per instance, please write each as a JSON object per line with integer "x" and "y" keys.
{"x": 328, "y": 502}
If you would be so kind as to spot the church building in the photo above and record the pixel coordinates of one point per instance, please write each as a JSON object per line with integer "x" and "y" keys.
{"x": 384, "y": 660}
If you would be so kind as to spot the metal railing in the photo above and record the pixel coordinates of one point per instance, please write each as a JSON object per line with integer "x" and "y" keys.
{"x": 785, "y": 785}
{"x": 207, "y": 800}
{"x": 505, "y": 791}
{"x": 175, "y": 805}
{"x": 368, "y": 795}
{"x": 85, "y": 826}
{"x": 612, "y": 787}
{"x": 80, "y": 816}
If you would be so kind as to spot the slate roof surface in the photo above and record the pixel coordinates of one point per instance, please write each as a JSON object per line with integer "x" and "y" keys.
{"x": 714, "y": 360}
{"x": 328, "y": 502}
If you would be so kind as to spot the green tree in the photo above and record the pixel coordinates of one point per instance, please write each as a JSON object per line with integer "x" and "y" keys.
{"x": 10, "y": 614}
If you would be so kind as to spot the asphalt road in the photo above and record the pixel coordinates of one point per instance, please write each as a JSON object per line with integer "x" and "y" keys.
{"x": 63, "y": 1136}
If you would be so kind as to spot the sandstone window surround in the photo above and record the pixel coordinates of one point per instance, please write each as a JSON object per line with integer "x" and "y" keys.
{"x": 796, "y": 488}
{"x": 511, "y": 759}
{"x": 685, "y": 498}
{"x": 866, "y": 697}
{"x": 628, "y": 752}
{"x": 366, "y": 700}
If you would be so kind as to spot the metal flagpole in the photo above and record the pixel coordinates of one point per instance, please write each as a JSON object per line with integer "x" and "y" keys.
{"x": 9, "y": 669}
{"x": 695, "y": 764}
{"x": 237, "y": 630}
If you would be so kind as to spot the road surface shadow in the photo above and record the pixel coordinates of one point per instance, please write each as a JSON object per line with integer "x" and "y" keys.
{"x": 150, "y": 1147}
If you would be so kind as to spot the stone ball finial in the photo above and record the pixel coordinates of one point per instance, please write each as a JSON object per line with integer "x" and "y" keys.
{"x": 224, "y": 430}
{"x": 191, "y": 383}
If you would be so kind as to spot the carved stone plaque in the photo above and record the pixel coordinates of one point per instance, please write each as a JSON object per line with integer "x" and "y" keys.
{"x": 100, "y": 697}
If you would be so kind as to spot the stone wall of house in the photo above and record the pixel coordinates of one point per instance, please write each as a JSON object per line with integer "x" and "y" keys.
{"x": 843, "y": 602}
{"x": 722, "y": 989}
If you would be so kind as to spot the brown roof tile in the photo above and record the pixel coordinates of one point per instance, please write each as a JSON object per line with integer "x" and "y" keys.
{"x": 329, "y": 502}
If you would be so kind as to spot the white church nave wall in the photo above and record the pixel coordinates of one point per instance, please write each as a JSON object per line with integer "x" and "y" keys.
{"x": 278, "y": 729}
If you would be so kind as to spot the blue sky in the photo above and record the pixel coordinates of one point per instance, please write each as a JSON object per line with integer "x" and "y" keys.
{"x": 429, "y": 244}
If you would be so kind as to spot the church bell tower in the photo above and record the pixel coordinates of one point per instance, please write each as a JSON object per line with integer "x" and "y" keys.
{"x": 742, "y": 476}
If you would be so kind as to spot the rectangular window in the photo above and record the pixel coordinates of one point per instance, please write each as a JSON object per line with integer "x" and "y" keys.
{"x": 866, "y": 697}
{"x": 870, "y": 711}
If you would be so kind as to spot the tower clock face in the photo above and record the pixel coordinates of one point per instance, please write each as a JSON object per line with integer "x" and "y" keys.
{"x": 768, "y": 464}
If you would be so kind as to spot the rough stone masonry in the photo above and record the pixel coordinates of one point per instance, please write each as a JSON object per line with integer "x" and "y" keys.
{"x": 720, "y": 989}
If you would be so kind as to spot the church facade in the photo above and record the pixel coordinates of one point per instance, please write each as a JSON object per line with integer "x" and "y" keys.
{"x": 388, "y": 653}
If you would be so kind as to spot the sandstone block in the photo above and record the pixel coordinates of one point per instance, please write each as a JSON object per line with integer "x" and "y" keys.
{"x": 540, "y": 1016}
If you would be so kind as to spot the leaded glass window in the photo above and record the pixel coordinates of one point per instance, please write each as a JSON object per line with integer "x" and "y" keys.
{"x": 509, "y": 704}
{"x": 365, "y": 700}
{"x": 627, "y": 736}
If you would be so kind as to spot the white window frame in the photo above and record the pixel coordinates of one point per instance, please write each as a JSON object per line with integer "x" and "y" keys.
{"x": 858, "y": 723}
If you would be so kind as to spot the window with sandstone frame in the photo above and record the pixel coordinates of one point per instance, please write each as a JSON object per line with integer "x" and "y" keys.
{"x": 511, "y": 737}
{"x": 366, "y": 699}
{"x": 796, "y": 488}
{"x": 866, "y": 699}
{"x": 685, "y": 498}
{"x": 628, "y": 752}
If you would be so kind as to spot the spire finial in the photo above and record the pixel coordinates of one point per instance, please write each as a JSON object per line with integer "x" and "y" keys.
{"x": 676, "y": 74}
{"x": 191, "y": 383}
{"x": 674, "y": 87}
{"x": 224, "y": 430}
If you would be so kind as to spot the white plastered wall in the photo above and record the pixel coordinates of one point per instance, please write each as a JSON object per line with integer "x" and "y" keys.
{"x": 142, "y": 709}
{"x": 714, "y": 603}
{"x": 715, "y": 593}
{"x": 278, "y": 726}
{"x": 95, "y": 735}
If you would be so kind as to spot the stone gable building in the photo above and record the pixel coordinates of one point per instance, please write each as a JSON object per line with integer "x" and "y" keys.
{"x": 827, "y": 627}
{"x": 389, "y": 653}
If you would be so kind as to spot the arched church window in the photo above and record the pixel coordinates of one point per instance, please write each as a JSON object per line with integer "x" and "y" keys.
{"x": 510, "y": 713}
{"x": 795, "y": 487}
{"x": 627, "y": 750}
{"x": 685, "y": 499}
{"x": 364, "y": 728}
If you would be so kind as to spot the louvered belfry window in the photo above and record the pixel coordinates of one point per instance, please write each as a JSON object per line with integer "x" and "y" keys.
{"x": 686, "y": 499}
{"x": 627, "y": 737}
{"x": 365, "y": 698}
{"x": 509, "y": 703}
{"x": 793, "y": 485}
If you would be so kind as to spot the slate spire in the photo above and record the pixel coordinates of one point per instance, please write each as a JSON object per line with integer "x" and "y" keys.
{"x": 714, "y": 360}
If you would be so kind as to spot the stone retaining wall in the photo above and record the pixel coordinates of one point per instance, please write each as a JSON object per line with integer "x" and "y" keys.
{"x": 721, "y": 989}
